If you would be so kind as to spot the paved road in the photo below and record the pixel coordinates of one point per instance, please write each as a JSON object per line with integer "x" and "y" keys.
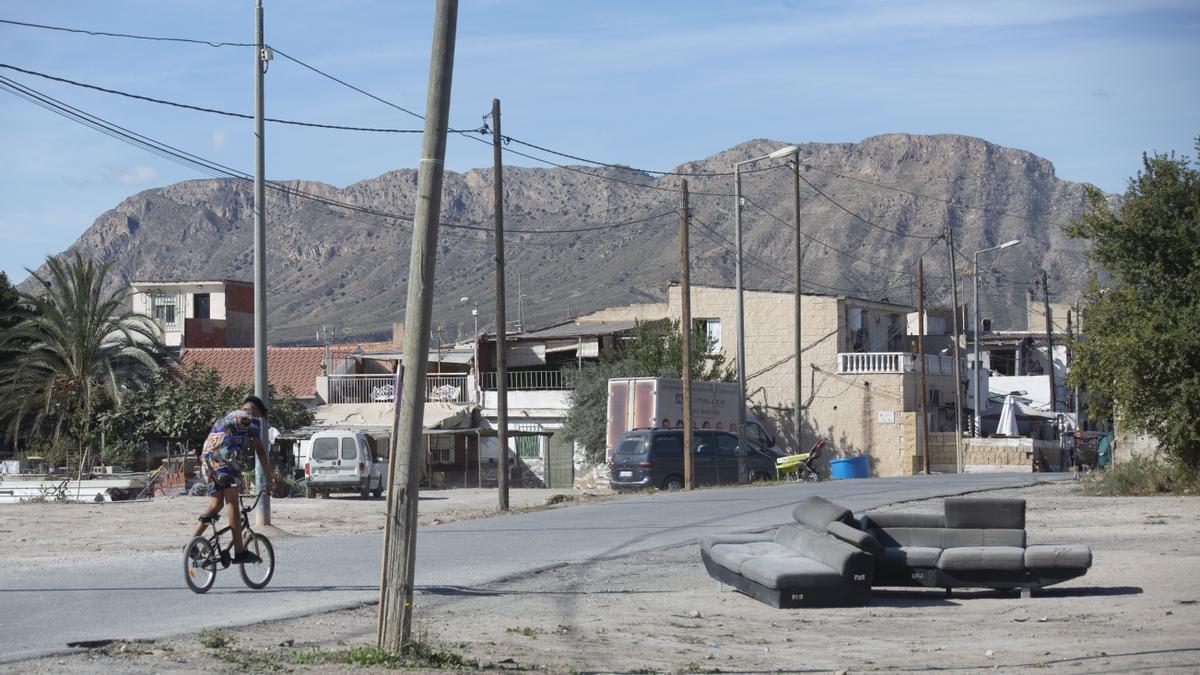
{"x": 44, "y": 608}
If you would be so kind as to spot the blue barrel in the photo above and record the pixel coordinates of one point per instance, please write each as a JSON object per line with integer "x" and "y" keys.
{"x": 850, "y": 467}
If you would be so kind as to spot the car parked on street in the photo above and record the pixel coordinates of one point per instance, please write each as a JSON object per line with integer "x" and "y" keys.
{"x": 341, "y": 460}
{"x": 654, "y": 458}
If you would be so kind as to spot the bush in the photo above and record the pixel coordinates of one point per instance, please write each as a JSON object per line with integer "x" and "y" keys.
{"x": 1143, "y": 476}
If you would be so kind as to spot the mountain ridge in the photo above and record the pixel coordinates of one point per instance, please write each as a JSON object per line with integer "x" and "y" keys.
{"x": 894, "y": 193}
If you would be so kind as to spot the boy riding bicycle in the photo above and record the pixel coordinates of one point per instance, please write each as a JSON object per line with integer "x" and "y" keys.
{"x": 221, "y": 464}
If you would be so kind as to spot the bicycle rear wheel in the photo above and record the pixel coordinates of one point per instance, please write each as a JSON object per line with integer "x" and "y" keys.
{"x": 258, "y": 575}
{"x": 199, "y": 565}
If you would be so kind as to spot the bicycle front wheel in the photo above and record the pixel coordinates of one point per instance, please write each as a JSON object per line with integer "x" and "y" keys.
{"x": 258, "y": 575}
{"x": 199, "y": 565}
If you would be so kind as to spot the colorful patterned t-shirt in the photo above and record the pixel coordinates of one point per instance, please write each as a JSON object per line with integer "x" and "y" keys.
{"x": 229, "y": 438}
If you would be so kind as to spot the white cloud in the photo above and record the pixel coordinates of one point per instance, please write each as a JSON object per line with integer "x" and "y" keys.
{"x": 218, "y": 139}
{"x": 133, "y": 175}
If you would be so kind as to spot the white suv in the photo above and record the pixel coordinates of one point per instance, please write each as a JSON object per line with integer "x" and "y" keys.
{"x": 340, "y": 460}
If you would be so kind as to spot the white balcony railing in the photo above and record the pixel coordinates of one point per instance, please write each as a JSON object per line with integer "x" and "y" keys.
{"x": 528, "y": 380}
{"x": 867, "y": 363}
{"x": 379, "y": 388}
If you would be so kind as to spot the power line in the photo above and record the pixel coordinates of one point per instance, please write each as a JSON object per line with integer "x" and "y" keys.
{"x": 188, "y": 106}
{"x": 838, "y": 204}
{"x": 126, "y": 35}
{"x": 219, "y": 170}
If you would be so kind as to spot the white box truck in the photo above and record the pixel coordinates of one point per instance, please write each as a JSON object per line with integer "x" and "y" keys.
{"x": 657, "y": 402}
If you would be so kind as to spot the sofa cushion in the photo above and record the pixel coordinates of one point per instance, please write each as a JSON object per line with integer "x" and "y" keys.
{"x": 731, "y": 556}
{"x": 909, "y": 536}
{"x": 955, "y": 537}
{"x": 820, "y": 546}
{"x": 818, "y": 513}
{"x": 911, "y": 556}
{"x": 789, "y": 571}
{"x": 882, "y": 519}
{"x": 988, "y": 558}
{"x": 855, "y": 537}
{"x": 1058, "y": 556}
{"x": 985, "y": 512}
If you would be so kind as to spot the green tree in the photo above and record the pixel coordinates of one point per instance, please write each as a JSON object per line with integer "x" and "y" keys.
{"x": 77, "y": 346}
{"x": 1140, "y": 348}
{"x": 655, "y": 350}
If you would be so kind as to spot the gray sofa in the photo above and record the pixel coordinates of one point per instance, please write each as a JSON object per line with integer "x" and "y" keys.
{"x": 818, "y": 562}
{"x": 975, "y": 542}
{"x": 829, "y": 558}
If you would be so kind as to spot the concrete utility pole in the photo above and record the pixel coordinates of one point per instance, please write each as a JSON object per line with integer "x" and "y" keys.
{"x": 743, "y": 464}
{"x": 262, "y": 389}
{"x": 501, "y": 328}
{"x": 922, "y": 420}
{"x": 958, "y": 409}
{"x": 685, "y": 291}
{"x": 1049, "y": 343}
{"x": 799, "y": 412}
{"x": 399, "y": 556}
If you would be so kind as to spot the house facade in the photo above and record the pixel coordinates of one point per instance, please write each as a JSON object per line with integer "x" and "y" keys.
{"x": 198, "y": 313}
{"x": 860, "y": 383}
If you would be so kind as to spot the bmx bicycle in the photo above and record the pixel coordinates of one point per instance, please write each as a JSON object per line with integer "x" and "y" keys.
{"x": 203, "y": 555}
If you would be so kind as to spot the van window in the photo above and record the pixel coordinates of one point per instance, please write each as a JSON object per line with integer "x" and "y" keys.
{"x": 632, "y": 445}
{"x": 668, "y": 446}
{"x": 726, "y": 445}
{"x": 349, "y": 448}
{"x": 325, "y": 449}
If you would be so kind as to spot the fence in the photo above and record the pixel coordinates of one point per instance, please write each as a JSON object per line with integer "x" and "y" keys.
{"x": 379, "y": 388}
{"x": 528, "y": 379}
{"x": 851, "y": 363}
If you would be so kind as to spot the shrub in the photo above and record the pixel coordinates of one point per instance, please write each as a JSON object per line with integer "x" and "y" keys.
{"x": 1143, "y": 476}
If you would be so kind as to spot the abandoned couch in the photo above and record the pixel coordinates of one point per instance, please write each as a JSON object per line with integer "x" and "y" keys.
{"x": 818, "y": 562}
{"x": 832, "y": 559}
{"x": 974, "y": 543}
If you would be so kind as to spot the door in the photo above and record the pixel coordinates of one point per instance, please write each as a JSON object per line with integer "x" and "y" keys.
{"x": 727, "y": 459}
{"x": 324, "y": 458}
{"x": 350, "y": 459}
{"x": 704, "y": 457}
{"x": 560, "y": 462}
{"x": 202, "y": 305}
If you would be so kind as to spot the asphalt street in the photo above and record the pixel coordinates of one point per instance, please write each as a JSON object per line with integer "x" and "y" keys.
{"x": 45, "y": 608}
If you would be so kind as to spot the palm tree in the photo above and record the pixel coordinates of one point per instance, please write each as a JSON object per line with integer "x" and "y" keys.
{"x": 75, "y": 345}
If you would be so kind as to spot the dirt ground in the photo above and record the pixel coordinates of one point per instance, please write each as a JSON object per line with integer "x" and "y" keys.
{"x": 58, "y": 529}
{"x": 1135, "y": 611}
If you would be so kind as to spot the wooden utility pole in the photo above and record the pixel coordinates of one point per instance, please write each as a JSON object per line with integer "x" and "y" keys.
{"x": 501, "y": 328}
{"x": 798, "y": 412}
{"x": 922, "y": 420}
{"x": 1049, "y": 342}
{"x": 400, "y": 555}
{"x": 262, "y": 387}
{"x": 958, "y": 410}
{"x": 685, "y": 290}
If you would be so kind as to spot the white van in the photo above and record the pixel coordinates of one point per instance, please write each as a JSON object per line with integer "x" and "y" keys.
{"x": 340, "y": 460}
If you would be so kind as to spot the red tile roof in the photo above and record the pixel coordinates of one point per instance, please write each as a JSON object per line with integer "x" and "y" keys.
{"x": 294, "y": 368}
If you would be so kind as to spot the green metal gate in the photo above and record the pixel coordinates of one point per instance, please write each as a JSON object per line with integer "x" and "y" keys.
{"x": 560, "y": 461}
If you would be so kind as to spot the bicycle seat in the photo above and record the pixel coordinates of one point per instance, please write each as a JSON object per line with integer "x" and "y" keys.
{"x": 210, "y": 518}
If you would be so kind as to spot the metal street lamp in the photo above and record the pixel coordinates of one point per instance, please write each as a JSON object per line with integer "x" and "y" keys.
{"x": 743, "y": 469}
{"x": 979, "y": 401}
{"x": 475, "y": 346}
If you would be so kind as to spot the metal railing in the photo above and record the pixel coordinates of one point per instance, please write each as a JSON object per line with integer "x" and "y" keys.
{"x": 528, "y": 379}
{"x": 379, "y": 388}
{"x": 866, "y": 363}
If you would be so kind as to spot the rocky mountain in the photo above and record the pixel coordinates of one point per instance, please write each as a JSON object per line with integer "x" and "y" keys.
{"x": 882, "y": 203}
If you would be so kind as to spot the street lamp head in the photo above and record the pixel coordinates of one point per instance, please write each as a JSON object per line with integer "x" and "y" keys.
{"x": 464, "y": 299}
{"x": 1014, "y": 242}
{"x": 784, "y": 152}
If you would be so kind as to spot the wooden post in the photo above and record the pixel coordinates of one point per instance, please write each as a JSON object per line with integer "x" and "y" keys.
{"x": 501, "y": 329}
{"x": 958, "y": 409}
{"x": 685, "y": 290}
{"x": 922, "y": 420}
{"x": 1049, "y": 344}
{"x": 399, "y": 558}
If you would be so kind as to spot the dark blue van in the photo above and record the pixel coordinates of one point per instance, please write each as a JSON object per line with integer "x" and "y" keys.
{"x": 654, "y": 458}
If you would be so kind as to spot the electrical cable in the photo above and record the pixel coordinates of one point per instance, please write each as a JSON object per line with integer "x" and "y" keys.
{"x": 838, "y": 204}
{"x": 188, "y": 106}
{"x": 131, "y": 36}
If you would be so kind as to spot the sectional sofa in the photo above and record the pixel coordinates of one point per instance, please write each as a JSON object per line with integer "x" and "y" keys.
{"x": 831, "y": 558}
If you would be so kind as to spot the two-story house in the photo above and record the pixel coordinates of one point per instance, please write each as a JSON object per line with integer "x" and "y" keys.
{"x": 859, "y": 378}
{"x": 198, "y": 313}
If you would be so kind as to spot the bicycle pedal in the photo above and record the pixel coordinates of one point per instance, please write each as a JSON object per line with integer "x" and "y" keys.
{"x": 225, "y": 560}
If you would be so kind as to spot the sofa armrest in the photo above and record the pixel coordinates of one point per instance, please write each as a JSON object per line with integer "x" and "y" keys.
{"x": 708, "y": 541}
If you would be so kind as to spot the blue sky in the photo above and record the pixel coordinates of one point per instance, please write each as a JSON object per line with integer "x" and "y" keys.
{"x": 1088, "y": 85}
